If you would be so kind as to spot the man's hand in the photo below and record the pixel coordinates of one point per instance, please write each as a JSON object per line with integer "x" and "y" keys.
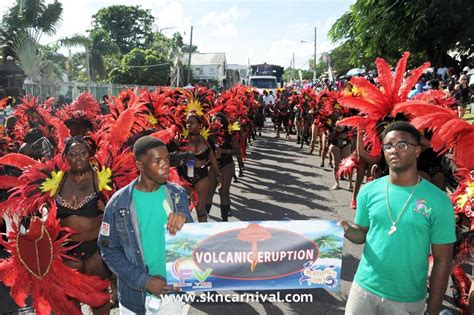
{"x": 344, "y": 225}
{"x": 175, "y": 222}
{"x": 354, "y": 233}
{"x": 157, "y": 286}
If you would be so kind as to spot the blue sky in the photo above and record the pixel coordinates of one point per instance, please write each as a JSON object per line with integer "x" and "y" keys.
{"x": 259, "y": 30}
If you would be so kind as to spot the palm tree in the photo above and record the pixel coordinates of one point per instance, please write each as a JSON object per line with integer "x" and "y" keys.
{"x": 21, "y": 31}
{"x": 27, "y": 21}
{"x": 335, "y": 252}
{"x": 328, "y": 241}
{"x": 82, "y": 41}
{"x": 183, "y": 245}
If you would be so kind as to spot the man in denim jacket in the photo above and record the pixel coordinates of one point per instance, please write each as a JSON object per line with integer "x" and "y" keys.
{"x": 132, "y": 234}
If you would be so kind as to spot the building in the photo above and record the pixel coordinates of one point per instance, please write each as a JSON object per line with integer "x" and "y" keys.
{"x": 242, "y": 70}
{"x": 207, "y": 66}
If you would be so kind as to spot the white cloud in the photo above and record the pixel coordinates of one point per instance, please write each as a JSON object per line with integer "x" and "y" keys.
{"x": 215, "y": 18}
{"x": 222, "y": 24}
{"x": 228, "y": 30}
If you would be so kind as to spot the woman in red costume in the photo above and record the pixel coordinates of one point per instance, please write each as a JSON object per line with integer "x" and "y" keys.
{"x": 80, "y": 207}
{"x": 203, "y": 156}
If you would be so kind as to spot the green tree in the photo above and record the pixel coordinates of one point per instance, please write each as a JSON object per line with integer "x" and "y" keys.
{"x": 340, "y": 60}
{"x": 128, "y": 26}
{"x": 428, "y": 29}
{"x": 335, "y": 252}
{"x": 142, "y": 66}
{"x": 97, "y": 46}
{"x": 306, "y": 74}
{"x": 327, "y": 242}
{"x": 26, "y": 22}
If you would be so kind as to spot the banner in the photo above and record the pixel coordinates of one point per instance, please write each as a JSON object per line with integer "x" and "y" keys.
{"x": 264, "y": 255}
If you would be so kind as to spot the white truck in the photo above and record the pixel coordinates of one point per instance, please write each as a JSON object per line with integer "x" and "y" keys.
{"x": 264, "y": 82}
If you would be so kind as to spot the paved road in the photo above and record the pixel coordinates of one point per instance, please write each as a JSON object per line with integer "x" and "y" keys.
{"x": 282, "y": 182}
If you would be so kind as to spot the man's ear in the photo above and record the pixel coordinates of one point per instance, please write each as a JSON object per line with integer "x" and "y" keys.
{"x": 418, "y": 151}
{"x": 139, "y": 165}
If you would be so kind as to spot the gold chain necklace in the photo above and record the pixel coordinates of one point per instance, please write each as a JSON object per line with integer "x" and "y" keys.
{"x": 393, "y": 228}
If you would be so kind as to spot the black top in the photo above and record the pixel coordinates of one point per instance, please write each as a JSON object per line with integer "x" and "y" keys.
{"x": 87, "y": 208}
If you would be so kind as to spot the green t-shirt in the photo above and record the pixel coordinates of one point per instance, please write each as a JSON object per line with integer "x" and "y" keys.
{"x": 152, "y": 218}
{"x": 395, "y": 266}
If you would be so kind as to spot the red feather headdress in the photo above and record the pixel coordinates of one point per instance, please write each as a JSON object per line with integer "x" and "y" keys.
{"x": 375, "y": 105}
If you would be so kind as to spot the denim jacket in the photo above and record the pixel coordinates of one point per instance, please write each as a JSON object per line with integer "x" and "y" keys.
{"x": 120, "y": 245}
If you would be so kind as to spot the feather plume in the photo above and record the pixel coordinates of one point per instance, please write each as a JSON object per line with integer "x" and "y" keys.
{"x": 18, "y": 160}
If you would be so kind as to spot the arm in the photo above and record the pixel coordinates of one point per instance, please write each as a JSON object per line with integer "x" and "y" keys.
{"x": 114, "y": 256}
{"x": 442, "y": 257}
{"x": 234, "y": 151}
{"x": 353, "y": 232}
{"x": 213, "y": 159}
{"x": 357, "y": 233}
{"x": 361, "y": 150}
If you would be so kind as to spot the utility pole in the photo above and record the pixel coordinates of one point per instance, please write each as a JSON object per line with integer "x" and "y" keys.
{"x": 189, "y": 61}
{"x": 291, "y": 67}
{"x": 88, "y": 67}
{"x": 315, "y": 61}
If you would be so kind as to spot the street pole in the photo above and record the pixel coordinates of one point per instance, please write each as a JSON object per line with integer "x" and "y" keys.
{"x": 88, "y": 67}
{"x": 293, "y": 67}
{"x": 315, "y": 61}
{"x": 189, "y": 61}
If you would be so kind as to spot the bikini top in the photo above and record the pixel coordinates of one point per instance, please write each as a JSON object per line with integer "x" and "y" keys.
{"x": 202, "y": 154}
{"x": 86, "y": 208}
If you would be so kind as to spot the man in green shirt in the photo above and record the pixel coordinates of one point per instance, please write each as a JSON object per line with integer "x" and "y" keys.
{"x": 132, "y": 235}
{"x": 399, "y": 217}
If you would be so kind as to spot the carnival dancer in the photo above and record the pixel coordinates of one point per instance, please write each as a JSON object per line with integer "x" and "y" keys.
{"x": 203, "y": 157}
{"x": 340, "y": 148}
{"x": 141, "y": 210}
{"x": 226, "y": 147}
{"x": 80, "y": 207}
{"x": 260, "y": 116}
{"x": 398, "y": 218}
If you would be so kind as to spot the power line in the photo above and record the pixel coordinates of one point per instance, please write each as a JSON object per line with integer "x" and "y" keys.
{"x": 150, "y": 66}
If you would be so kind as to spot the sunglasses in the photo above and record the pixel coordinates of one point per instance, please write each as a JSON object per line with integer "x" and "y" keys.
{"x": 399, "y": 146}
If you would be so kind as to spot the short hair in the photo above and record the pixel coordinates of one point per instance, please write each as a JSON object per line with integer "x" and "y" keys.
{"x": 194, "y": 115}
{"x": 402, "y": 126}
{"x": 224, "y": 121}
{"x": 144, "y": 144}
{"x": 433, "y": 83}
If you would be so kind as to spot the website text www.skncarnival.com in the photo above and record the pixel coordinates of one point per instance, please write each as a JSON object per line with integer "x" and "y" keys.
{"x": 256, "y": 297}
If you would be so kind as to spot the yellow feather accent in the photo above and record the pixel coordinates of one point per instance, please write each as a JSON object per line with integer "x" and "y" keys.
{"x": 104, "y": 178}
{"x": 194, "y": 106}
{"x": 152, "y": 120}
{"x": 234, "y": 127}
{"x": 185, "y": 133}
{"x": 470, "y": 189}
{"x": 52, "y": 184}
{"x": 205, "y": 133}
{"x": 461, "y": 200}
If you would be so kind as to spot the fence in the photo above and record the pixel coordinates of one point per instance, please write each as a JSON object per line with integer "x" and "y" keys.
{"x": 72, "y": 90}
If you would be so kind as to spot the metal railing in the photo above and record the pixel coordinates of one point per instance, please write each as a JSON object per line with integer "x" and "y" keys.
{"x": 70, "y": 91}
